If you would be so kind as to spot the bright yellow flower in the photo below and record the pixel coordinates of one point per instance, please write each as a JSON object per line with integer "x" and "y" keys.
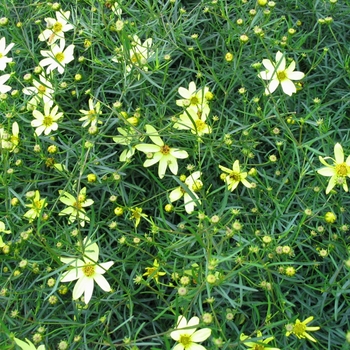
{"x": 278, "y": 74}
{"x": 136, "y": 214}
{"x": 257, "y": 345}
{"x": 187, "y": 336}
{"x": 338, "y": 171}
{"x": 36, "y": 207}
{"x": 235, "y": 176}
{"x": 154, "y": 272}
{"x": 300, "y": 329}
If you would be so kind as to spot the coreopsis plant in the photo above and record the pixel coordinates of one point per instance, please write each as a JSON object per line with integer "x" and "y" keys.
{"x": 196, "y": 99}
{"x": 87, "y": 271}
{"x": 56, "y": 27}
{"x": 154, "y": 272}
{"x": 3, "y": 79}
{"x": 234, "y": 176}
{"x": 91, "y": 116}
{"x": 160, "y": 152}
{"x": 192, "y": 185}
{"x": 3, "y": 52}
{"x": 187, "y": 335}
{"x": 258, "y": 344}
{"x": 47, "y": 122}
{"x": 277, "y": 73}
{"x": 57, "y": 57}
{"x": 301, "y": 329}
{"x": 28, "y": 345}
{"x": 75, "y": 206}
{"x": 193, "y": 120}
{"x": 126, "y": 137}
{"x": 36, "y": 206}
{"x": 338, "y": 171}
{"x": 41, "y": 90}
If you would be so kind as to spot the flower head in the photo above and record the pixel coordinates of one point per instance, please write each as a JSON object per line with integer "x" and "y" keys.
{"x": 338, "y": 171}
{"x": 193, "y": 120}
{"x": 3, "y": 79}
{"x": 3, "y": 52}
{"x": 126, "y": 137}
{"x": 277, "y": 73}
{"x": 56, "y": 27}
{"x": 162, "y": 153}
{"x": 42, "y": 90}
{"x": 87, "y": 271}
{"x": 137, "y": 214}
{"x": 45, "y": 123}
{"x": 257, "y": 345}
{"x": 27, "y": 345}
{"x": 187, "y": 336}
{"x": 192, "y": 185}
{"x": 57, "y": 57}
{"x": 75, "y": 206}
{"x": 154, "y": 272}
{"x": 36, "y": 207}
{"x": 91, "y": 116}
{"x": 300, "y": 329}
{"x": 234, "y": 176}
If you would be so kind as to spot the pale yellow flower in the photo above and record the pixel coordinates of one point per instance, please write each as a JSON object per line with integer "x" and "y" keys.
{"x": 47, "y": 122}
{"x": 56, "y": 27}
{"x": 36, "y": 207}
{"x": 192, "y": 185}
{"x": 258, "y": 344}
{"x": 193, "y": 120}
{"x": 277, "y": 73}
{"x": 57, "y": 57}
{"x": 234, "y": 176}
{"x": 91, "y": 116}
{"x": 300, "y": 329}
{"x": 339, "y": 171}
{"x": 42, "y": 90}
{"x": 154, "y": 272}
{"x": 126, "y": 137}
{"x": 187, "y": 335}
{"x": 27, "y": 345}
{"x": 3, "y": 52}
{"x": 162, "y": 153}
{"x": 87, "y": 271}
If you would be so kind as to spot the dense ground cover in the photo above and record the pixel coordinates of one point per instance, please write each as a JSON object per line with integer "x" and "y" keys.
{"x": 173, "y": 165}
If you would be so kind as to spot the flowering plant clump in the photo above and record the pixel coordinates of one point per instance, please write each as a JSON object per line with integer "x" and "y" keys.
{"x": 178, "y": 155}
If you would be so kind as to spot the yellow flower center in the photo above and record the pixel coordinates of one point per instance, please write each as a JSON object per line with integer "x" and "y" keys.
{"x": 235, "y": 176}
{"x": 59, "y": 56}
{"x": 165, "y": 149}
{"x": 136, "y": 58}
{"x": 185, "y": 340}
{"x": 194, "y": 100}
{"x": 342, "y": 169}
{"x": 1, "y": 55}
{"x": 89, "y": 270}
{"x": 258, "y": 347}
{"x": 197, "y": 186}
{"x": 77, "y": 205}
{"x": 38, "y": 204}
{"x": 200, "y": 125}
{"x": 57, "y": 27}
{"x": 41, "y": 89}
{"x": 281, "y": 75}
{"x": 48, "y": 120}
{"x": 299, "y": 329}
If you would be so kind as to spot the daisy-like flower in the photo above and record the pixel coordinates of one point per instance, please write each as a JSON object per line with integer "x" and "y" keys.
{"x": 300, "y": 329}
{"x": 126, "y": 137}
{"x": 3, "y": 52}
{"x": 75, "y": 206}
{"x": 27, "y": 345}
{"x": 56, "y": 27}
{"x": 154, "y": 272}
{"x": 160, "y": 152}
{"x": 234, "y": 176}
{"x": 193, "y": 120}
{"x": 139, "y": 54}
{"x": 42, "y": 90}
{"x": 45, "y": 123}
{"x": 338, "y": 171}
{"x": 187, "y": 336}
{"x": 136, "y": 214}
{"x": 87, "y": 271}
{"x": 277, "y": 73}
{"x": 3, "y": 79}
{"x": 257, "y": 345}
{"x": 91, "y": 116}
{"x": 193, "y": 185}
{"x": 196, "y": 99}
{"x": 36, "y": 207}
{"x": 57, "y": 57}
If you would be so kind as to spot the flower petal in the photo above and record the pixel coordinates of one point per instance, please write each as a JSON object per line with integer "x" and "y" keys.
{"x": 288, "y": 87}
{"x": 102, "y": 282}
{"x": 338, "y": 153}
